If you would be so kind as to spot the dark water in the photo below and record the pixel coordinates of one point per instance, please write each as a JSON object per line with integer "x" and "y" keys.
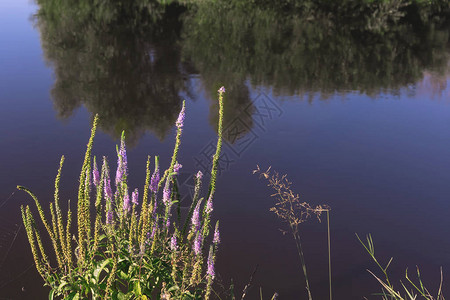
{"x": 359, "y": 119}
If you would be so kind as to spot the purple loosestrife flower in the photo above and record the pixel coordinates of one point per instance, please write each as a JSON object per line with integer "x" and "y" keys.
{"x": 199, "y": 175}
{"x": 154, "y": 228}
{"x": 196, "y": 217}
{"x": 210, "y": 263}
{"x": 123, "y": 154}
{"x": 197, "y": 247}
{"x": 122, "y": 162}
{"x": 155, "y": 207}
{"x": 154, "y": 181}
{"x": 168, "y": 224}
{"x": 221, "y": 90}
{"x": 126, "y": 202}
{"x": 116, "y": 195}
{"x": 209, "y": 205}
{"x": 119, "y": 171}
{"x": 166, "y": 192}
{"x": 108, "y": 191}
{"x": 134, "y": 197}
{"x": 177, "y": 167}
{"x": 216, "y": 238}
{"x": 173, "y": 243}
{"x": 147, "y": 242}
{"x": 109, "y": 217}
{"x": 95, "y": 174}
{"x": 180, "y": 121}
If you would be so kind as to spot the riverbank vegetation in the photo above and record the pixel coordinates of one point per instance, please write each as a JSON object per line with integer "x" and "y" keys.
{"x": 128, "y": 245}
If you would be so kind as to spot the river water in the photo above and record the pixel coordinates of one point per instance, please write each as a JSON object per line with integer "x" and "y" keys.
{"x": 358, "y": 121}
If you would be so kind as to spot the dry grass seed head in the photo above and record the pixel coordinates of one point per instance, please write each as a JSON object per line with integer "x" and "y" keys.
{"x": 288, "y": 206}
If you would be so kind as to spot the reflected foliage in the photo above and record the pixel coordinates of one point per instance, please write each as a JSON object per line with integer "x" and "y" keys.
{"x": 130, "y": 60}
{"x": 118, "y": 58}
{"x": 298, "y": 54}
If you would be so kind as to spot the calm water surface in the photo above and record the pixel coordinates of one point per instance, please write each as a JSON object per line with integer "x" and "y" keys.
{"x": 361, "y": 123}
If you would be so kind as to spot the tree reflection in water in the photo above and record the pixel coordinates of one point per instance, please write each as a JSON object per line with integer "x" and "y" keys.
{"x": 129, "y": 61}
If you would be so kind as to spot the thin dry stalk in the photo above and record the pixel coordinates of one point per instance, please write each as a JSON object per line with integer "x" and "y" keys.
{"x": 291, "y": 210}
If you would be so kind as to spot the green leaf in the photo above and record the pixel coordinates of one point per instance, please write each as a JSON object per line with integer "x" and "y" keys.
{"x": 137, "y": 288}
{"x": 122, "y": 275}
{"x": 62, "y": 285}
{"x": 173, "y": 288}
{"x": 50, "y": 296}
{"x": 74, "y": 296}
{"x": 100, "y": 268}
{"x": 121, "y": 296}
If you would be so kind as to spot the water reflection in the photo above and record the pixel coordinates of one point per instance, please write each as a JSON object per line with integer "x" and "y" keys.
{"x": 129, "y": 61}
{"x": 296, "y": 55}
{"x": 117, "y": 59}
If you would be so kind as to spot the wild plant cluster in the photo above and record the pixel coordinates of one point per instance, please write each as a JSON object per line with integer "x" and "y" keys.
{"x": 127, "y": 246}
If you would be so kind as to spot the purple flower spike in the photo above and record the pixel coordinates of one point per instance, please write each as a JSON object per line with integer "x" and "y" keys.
{"x": 107, "y": 189}
{"x": 209, "y": 205}
{"x": 216, "y": 238}
{"x": 109, "y": 217}
{"x": 116, "y": 195}
{"x": 199, "y": 175}
{"x": 126, "y": 202}
{"x": 123, "y": 154}
{"x": 152, "y": 235}
{"x": 119, "y": 172}
{"x": 173, "y": 243}
{"x": 177, "y": 167}
{"x": 196, "y": 217}
{"x": 168, "y": 224}
{"x": 180, "y": 121}
{"x": 197, "y": 247}
{"x": 147, "y": 242}
{"x": 155, "y": 207}
{"x": 166, "y": 193}
{"x": 95, "y": 174}
{"x": 134, "y": 197}
{"x": 122, "y": 162}
{"x": 221, "y": 90}
{"x": 154, "y": 181}
{"x": 210, "y": 270}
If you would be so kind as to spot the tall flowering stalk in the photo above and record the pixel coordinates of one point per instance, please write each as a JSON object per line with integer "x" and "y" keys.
{"x": 179, "y": 124}
{"x": 83, "y": 216}
{"x": 215, "y": 164}
{"x": 132, "y": 248}
{"x": 212, "y": 186}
